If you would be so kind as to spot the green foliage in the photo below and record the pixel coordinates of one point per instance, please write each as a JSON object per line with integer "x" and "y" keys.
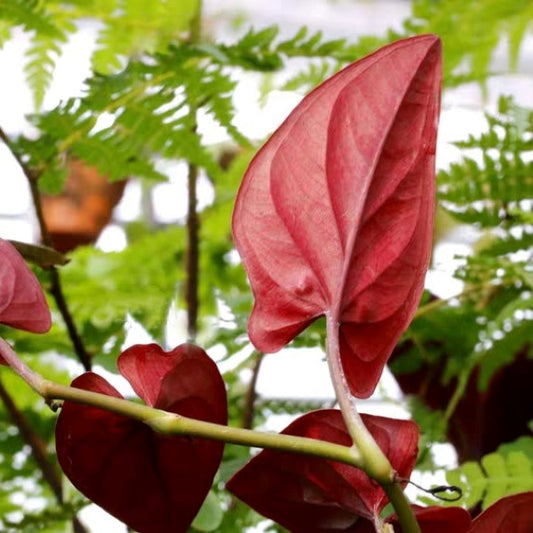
{"x": 472, "y": 30}
{"x": 495, "y": 476}
{"x": 52, "y": 519}
{"x": 488, "y": 190}
{"x": 494, "y": 192}
{"x": 210, "y": 515}
{"x": 127, "y": 29}
{"x": 22, "y": 481}
{"x": 153, "y": 77}
{"x": 141, "y": 26}
{"x": 50, "y": 31}
{"x": 433, "y": 430}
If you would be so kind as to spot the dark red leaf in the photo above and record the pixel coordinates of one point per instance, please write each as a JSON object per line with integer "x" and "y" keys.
{"x": 438, "y": 520}
{"x": 22, "y": 301}
{"x": 334, "y": 215}
{"x": 310, "y": 494}
{"x": 510, "y": 514}
{"x": 153, "y": 483}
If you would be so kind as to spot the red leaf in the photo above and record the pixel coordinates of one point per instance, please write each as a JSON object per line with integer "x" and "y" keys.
{"x": 310, "y": 494}
{"x": 334, "y": 215}
{"x": 22, "y": 301}
{"x": 153, "y": 483}
{"x": 438, "y": 520}
{"x": 510, "y": 514}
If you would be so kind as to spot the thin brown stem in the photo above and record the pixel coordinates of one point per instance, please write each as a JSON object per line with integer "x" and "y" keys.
{"x": 38, "y": 446}
{"x": 56, "y": 288}
{"x": 193, "y": 221}
{"x": 192, "y": 258}
{"x": 251, "y": 395}
{"x": 49, "y": 470}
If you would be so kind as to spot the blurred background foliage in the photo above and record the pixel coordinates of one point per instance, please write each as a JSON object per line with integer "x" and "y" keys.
{"x": 464, "y": 364}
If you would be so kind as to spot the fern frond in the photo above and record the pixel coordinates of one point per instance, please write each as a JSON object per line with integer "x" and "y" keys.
{"x": 42, "y": 56}
{"x": 135, "y": 27}
{"x": 49, "y": 33}
{"x": 494, "y": 477}
{"x": 219, "y": 94}
{"x": 509, "y": 333}
{"x": 490, "y": 190}
{"x": 473, "y": 30}
{"x": 314, "y": 74}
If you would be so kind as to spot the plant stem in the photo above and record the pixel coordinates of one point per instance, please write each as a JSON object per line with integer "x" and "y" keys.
{"x": 192, "y": 258}
{"x": 56, "y": 288}
{"x": 374, "y": 462}
{"x": 402, "y": 507}
{"x": 33, "y": 379}
{"x": 37, "y": 445}
{"x": 249, "y": 404}
{"x": 458, "y": 393}
{"x": 173, "y": 424}
{"x": 193, "y": 223}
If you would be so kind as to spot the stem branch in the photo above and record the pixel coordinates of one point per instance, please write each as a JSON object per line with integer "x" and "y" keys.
{"x": 56, "y": 288}
{"x": 192, "y": 265}
{"x": 377, "y": 465}
{"x": 401, "y": 505}
{"x": 174, "y": 424}
{"x": 374, "y": 462}
{"x": 38, "y": 446}
{"x": 249, "y": 404}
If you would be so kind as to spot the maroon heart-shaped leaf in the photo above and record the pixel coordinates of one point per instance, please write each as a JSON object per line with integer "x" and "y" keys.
{"x": 430, "y": 520}
{"x": 22, "y": 301}
{"x": 310, "y": 494}
{"x": 152, "y": 482}
{"x": 437, "y": 520}
{"x": 334, "y": 215}
{"x": 510, "y": 514}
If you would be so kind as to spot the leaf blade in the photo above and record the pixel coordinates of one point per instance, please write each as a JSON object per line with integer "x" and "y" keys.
{"x": 338, "y": 205}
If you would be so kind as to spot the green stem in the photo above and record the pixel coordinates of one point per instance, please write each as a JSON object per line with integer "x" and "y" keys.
{"x": 458, "y": 393}
{"x": 173, "y": 424}
{"x": 374, "y": 462}
{"x": 402, "y": 507}
{"x": 33, "y": 379}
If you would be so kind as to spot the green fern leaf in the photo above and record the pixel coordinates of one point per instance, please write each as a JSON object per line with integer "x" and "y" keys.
{"x": 508, "y": 334}
{"x": 49, "y": 31}
{"x": 494, "y": 477}
{"x": 473, "y": 30}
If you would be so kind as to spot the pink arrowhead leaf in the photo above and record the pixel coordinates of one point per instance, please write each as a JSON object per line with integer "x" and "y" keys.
{"x": 334, "y": 215}
{"x": 153, "y": 483}
{"x": 22, "y": 301}
{"x": 310, "y": 494}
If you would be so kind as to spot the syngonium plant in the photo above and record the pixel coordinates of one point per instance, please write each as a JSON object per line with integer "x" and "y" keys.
{"x": 333, "y": 218}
